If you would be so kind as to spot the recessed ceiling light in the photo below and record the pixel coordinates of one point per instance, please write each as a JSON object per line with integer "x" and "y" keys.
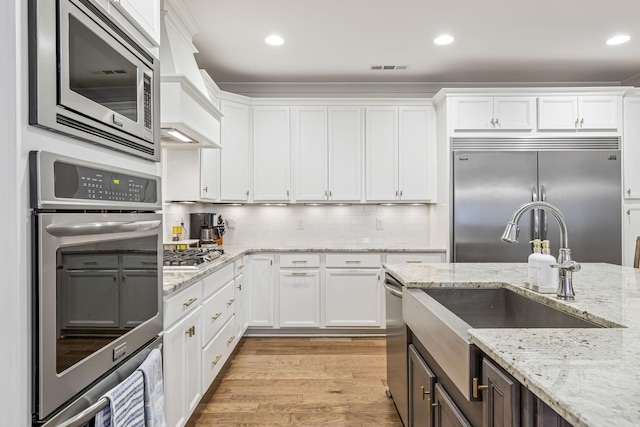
{"x": 619, "y": 39}
{"x": 444, "y": 39}
{"x": 274, "y": 40}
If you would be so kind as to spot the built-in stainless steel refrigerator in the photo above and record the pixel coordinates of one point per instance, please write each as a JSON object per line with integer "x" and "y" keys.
{"x": 583, "y": 181}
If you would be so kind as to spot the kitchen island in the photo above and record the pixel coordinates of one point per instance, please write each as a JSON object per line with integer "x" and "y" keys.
{"x": 588, "y": 376}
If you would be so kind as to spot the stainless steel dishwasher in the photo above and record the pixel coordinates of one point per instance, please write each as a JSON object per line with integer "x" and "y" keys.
{"x": 396, "y": 337}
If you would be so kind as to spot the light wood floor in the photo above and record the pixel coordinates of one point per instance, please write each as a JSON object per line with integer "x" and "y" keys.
{"x": 301, "y": 382}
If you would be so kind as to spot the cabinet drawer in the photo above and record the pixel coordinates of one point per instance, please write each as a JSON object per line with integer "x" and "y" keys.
{"x": 353, "y": 260}
{"x": 178, "y": 305}
{"x": 239, "y": 265}
{"x": 414, "y": 258}
{"x": 140, "y": 262}
{"x": 216, "y": 310}
{"x": 216, "y": 352}
{"x": 217, "y": 280}
{"x": 300, "y": 260}
{"x": 94, "y": 262}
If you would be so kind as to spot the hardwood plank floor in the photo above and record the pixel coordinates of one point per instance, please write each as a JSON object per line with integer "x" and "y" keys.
{"x": 297, "y": 382}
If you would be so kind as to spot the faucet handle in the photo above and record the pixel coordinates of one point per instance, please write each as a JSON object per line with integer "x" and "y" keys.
{"x": 568, "y": 265}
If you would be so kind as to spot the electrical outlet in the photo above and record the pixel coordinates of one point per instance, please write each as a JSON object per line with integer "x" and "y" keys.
{"x": 379, "y": 224}
{"x": 300, "y": 223}
{"x": 231, "y": 222}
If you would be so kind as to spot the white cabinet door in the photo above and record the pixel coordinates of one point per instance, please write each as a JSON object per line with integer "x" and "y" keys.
{"x": 235, "y": 163}
{"x": 599, "y": 112}
{"x": 416, "y": 156}
{"x": 260, "y": 292}
{"x": 240, "y": 305}
{"x": 587, "y": 112}
{"x": 381, "y": 148}
{"x": 353, "y": 298}
{"x": 300, "y": 298}
{"x": 144, "y": 14}
{"x": 345, "y": 154}
{"x": 310, "y": 153}
{"x": 271, "y": 154}
{"x": 210, "y": 174}
{"x": 472, "y": 113}
{"x": 514, "y": 113}
{"x": 181, "y": 355}
{"x": 631, "y": 230}
{"x": 557, "y": 113}
{"x": 631, "y": 147}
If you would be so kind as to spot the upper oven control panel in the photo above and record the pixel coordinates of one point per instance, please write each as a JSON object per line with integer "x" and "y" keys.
{"x": 80, "y": 182}
{"x": 59, "y": 182}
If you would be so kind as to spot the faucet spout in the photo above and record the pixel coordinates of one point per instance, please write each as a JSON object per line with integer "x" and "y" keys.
{"x": 566, "y": 266}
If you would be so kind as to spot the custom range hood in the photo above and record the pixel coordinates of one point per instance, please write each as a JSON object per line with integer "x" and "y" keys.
{"x": 188, "y": 116}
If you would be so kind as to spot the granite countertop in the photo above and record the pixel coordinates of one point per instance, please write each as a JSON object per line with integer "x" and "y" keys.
{"x": 174, "y": 280}
{"x": 589, "y": 376}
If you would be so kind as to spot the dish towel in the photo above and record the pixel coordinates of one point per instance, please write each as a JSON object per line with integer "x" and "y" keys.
{"x": 126, "y": 404}
{"x": 151, "y": 369}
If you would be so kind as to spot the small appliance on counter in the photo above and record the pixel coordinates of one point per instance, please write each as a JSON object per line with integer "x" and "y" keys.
{"x": 202, "y": 227}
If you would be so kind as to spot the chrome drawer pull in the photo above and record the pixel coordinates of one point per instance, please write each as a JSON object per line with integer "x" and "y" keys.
{"x": 414, "y": 262}
{"x": 353, "y": 261}
{"x": 299, "y": 260}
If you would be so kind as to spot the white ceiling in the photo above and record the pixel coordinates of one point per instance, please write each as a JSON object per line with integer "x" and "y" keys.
{"x": 520, "y": 41}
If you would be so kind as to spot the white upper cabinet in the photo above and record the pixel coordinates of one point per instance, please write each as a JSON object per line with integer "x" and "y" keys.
{"x": 144, "y": 14}
{"x": 345, "y": 154}
{"x": 400, "y": 154}
{"x": 416, "y": 151}
{"x": 310, "y": 153}
{"x": 327, "y": 153}
{"x": 481, "y": 113}
{"x": 589, "y": 112}
{"x": 631, "y": 147}
{"x": 271, "y": 154}
{"x": 381, "y": 148}
{"x": 192, "y": 175}
{"x": 235, "y": 164}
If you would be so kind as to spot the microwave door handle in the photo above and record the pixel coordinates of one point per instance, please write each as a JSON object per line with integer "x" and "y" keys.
{"x": 90, "y": 228}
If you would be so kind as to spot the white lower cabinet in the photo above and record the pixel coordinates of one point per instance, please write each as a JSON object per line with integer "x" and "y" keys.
{"x": 300, "y": 297}
{"x": 260, "y": 295}
{"x": 200, "y": 335}
{"x": 353, "y": 297}
{"x": 182, "y": 384}
{"x": 216, "y": 352}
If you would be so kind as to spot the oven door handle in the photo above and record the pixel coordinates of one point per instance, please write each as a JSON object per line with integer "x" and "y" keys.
{"x": 84, "y": 229}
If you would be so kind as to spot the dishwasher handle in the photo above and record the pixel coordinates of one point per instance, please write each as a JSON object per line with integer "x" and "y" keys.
{"x": 393, "y": 286}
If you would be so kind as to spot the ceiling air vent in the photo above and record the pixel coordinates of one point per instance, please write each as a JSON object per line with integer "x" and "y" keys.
{"x": 389, "y": 67}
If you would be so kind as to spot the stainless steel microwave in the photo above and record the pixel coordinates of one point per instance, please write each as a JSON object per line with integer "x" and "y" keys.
{"x": 90, "y": 79}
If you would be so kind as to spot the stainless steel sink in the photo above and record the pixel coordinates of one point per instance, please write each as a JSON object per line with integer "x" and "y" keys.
{"x": 441, "y": 318}
{"x": 502, "y": 308}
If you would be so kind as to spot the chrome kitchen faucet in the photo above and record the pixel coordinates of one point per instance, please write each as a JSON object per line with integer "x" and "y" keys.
{"x": 566, "y": 266}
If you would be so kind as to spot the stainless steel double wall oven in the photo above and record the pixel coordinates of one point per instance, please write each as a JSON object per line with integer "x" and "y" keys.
{"x": 97, "y": 293}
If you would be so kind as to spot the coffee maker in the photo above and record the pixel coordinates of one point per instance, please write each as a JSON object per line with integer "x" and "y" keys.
{"x": 202, "y": 227}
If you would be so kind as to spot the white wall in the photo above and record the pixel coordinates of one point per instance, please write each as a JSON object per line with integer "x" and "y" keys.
{"x": 316, "y": 226}
{"x": 14, "y": 357}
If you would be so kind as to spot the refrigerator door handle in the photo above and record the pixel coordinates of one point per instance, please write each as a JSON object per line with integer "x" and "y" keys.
{"x": 535, "y": 224}
{"x": 543, "y": 197}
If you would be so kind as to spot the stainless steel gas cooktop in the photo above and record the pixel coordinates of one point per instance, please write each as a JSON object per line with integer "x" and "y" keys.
{"x": 190, "y": 259}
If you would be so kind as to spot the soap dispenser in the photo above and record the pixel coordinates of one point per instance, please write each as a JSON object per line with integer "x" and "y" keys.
{"x": 547, "y": 275}
{"x": 532, "y": 264}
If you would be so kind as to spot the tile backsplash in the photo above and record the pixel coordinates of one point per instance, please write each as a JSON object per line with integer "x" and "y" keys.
{"x": 294, "y": 225}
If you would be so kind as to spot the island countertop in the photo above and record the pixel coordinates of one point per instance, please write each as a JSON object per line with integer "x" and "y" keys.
{"x": 589, "y": 376}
